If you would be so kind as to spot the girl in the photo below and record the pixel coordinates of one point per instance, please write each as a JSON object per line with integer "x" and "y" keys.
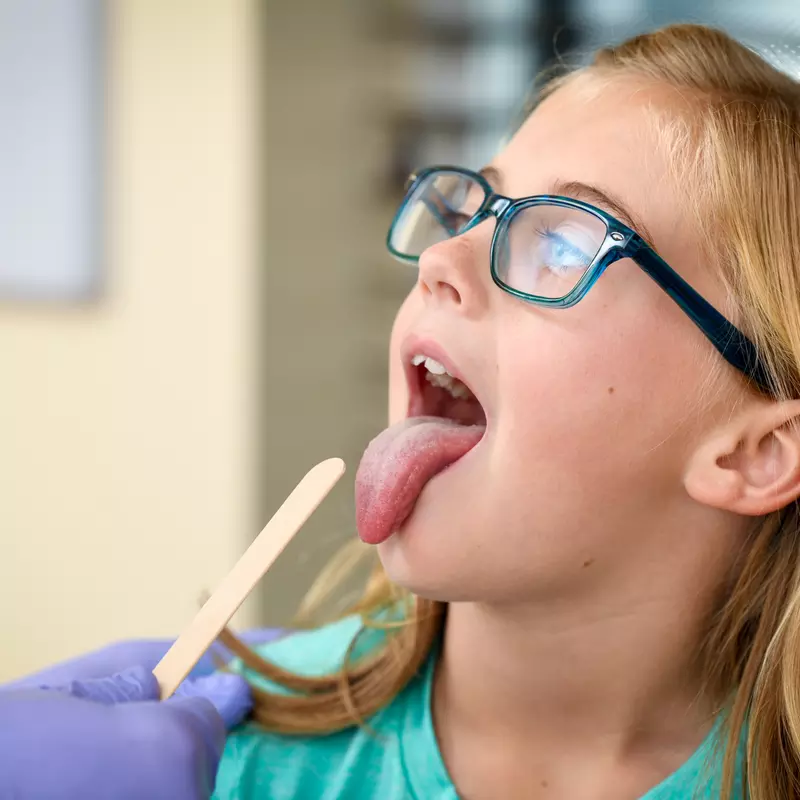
{"x": 585, "y": 509}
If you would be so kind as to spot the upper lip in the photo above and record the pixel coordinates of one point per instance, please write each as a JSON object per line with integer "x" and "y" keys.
{"x": 414, "y": 345}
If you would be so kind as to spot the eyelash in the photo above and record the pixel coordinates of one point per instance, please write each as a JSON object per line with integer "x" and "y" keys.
{"x": 552, "y": 235}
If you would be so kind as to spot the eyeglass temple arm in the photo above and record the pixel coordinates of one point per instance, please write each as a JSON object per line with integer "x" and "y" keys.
{"x": 734, "y": 346}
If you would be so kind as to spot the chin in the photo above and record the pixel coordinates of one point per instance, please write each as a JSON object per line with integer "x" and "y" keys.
{"x": 424, "y": 583}
{"x": 461, "y": 562}
{"x": 429, "y": 558}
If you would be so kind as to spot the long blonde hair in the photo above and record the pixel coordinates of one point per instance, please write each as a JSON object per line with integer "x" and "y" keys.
{"x": 743, "y": 155}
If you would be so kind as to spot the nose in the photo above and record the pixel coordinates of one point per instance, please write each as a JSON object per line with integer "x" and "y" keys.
{"x": 456, "y": 271}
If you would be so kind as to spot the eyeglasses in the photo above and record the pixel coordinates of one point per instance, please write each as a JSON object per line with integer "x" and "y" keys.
{"x": 550, "y": 250}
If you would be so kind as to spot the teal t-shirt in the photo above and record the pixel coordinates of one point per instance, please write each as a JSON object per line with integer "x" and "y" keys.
{"x": 399, "y": 760}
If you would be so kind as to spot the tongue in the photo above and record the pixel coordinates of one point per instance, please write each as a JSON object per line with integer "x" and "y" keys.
{"x": 397, "y": 465}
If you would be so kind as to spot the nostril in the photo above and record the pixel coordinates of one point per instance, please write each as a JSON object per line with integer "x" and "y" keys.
{"x": 450, "y": 291}
{"x": 441, "y": 289}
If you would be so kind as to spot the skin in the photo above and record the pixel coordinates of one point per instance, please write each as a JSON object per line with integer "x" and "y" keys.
{"x": 584, "y": 542}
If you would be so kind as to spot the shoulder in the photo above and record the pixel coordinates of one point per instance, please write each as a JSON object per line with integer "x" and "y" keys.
{"x": 354, "y": 763}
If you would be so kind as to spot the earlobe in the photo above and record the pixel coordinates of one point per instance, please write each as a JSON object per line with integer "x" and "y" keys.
{"x": 752, "y": 466}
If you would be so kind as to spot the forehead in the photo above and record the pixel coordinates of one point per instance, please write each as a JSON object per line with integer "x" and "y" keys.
{"x": 606, "y": 132}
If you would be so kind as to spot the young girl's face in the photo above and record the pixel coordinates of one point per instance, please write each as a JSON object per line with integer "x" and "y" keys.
{"x": 593, "y": 412}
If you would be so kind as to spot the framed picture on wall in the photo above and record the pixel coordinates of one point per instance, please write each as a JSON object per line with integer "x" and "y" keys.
{"x": 51, "y": 149}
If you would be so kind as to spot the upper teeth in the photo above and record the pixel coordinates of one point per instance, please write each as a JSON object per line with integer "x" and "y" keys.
{"x": 439, "y": 376}
{"x": 430, "y": 364}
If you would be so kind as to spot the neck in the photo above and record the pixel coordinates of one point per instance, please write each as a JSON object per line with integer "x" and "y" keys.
{"x": 618, "y": 673}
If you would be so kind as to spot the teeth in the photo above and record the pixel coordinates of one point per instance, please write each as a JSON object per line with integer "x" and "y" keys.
{"x": 435, "y": 367}
{"x": 431, "y": 364}
{"x": 437, "y": 375}
{"x": 449, "y": 384}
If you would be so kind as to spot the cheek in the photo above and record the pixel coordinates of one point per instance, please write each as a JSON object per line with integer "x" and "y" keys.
{"x": 598, "y": 393}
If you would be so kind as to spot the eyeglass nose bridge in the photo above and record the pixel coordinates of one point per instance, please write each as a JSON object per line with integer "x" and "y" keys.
{"x": 496, "y": 205}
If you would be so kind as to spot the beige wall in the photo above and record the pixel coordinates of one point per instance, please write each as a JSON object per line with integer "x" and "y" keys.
{"x": 127, "y": 427}
{"x": 332, "y": 289}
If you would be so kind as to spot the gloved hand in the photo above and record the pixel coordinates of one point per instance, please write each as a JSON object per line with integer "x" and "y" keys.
{"x": 119, "y": 656}
{"x": 68, "y": 732}
{"x": 111, "y": 738}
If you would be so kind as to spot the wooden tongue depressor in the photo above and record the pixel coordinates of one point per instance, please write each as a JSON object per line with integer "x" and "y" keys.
{"x": 240, "y": 581}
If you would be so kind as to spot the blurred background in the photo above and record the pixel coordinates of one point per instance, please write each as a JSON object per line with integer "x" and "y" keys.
{"x": 195, "y": 301}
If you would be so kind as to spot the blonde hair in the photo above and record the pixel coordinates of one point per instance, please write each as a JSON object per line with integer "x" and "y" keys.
{"x": 743, "y": 118}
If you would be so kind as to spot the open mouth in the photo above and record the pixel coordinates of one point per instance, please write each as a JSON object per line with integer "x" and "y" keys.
{"x": 445, "y": 421}
{"x": 435, "y": 392}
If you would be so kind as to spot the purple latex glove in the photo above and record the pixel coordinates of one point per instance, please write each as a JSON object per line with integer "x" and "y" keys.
{"x": 111, "y": 738}
{"x": 69, "y": 732}
{"x": 121, "y": 655}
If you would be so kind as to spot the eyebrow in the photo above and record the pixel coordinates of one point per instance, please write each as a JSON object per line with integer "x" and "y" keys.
{"x": 578, "y": 190}
{"x": 586, "y": 191}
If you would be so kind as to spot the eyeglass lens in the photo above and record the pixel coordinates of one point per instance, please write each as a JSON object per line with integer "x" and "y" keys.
{"x": 544, "y": 250}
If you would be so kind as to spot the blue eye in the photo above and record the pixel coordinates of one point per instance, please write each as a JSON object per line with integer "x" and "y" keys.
{"x": 560, "y": 254}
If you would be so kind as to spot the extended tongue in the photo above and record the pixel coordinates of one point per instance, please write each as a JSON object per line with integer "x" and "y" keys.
{"x": 398, "y": 463}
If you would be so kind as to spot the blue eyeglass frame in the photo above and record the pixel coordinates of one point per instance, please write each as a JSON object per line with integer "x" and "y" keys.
{"x": 620, "y": 242}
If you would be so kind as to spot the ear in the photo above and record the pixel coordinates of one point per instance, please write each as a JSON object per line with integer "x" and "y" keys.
{"x": 752, "y": 465}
